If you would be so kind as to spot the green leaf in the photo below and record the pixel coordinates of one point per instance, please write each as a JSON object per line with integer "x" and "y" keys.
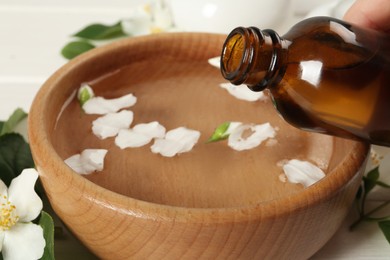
{"x": 15, "y": 155}
{"x": 385, "y": 227}
{"x": 47, "y": 224}
{"x": 219, "y": 133}
{"x": 1, "y": 125}
{"x": 9, "y": 125}
{"x": 371, "y": 179}
{"x": 76, "y": 48}
{"x": 101, "y": 32}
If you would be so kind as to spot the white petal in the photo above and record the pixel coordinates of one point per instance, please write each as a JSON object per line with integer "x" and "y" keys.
{"x": 152, "y": 129}
{"x": 24, "y": 241}
{"x": 22, "y": 195}
{"x": 179, "y": 140}
{"x": 258, "y": 134}
{"x": 2, "y": 235}
{"x": 216, "y": 62}
{"x": 139, "y": 135}
{"x": 380, "y": 193}
{"x": 167, "y": 148}
{"x": 101, "y": 106}
{"x": 187, "y": 137}
{"x": 232, "y": 127}
{"x": 3, "y": 192}
{"x": 162, "y": 16}
{"x": 129, "y": 138}
{"x": 89, "y": 161}
{"x": 384, "y": 169}
{"x": 139, "y": 22}
{"x": 302, "y": 172}
{"x": 110, "y": 124}
{"x": 75, "y": 163}
{"x": 243, "y": 92}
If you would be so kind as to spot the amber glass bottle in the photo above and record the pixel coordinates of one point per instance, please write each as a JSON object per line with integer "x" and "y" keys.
{"x": 324, "y": 75}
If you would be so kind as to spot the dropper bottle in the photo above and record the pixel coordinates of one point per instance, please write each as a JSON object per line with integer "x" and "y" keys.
{"x": 324, "y": 75}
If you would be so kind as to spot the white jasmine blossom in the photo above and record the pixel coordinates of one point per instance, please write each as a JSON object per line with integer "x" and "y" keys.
{"x": 139, "y": 21}
{"x": 101, "y": 106}
{"x": 139, "y": 135}
{"x": 149, "y": 18}
{"x": 243, "y": 92}
{"x": 162, "y": 16}
{"x": 89, "y": 161}
{"x": 178, "y": 140}
{"x": 379, "y": 157}
{"x": 216, "y": 62}
{"x": 19, "y": 205}
{"x": 110, "y": 124}
{"x": 248, "y": 136}
{"x": 302, "y": 172}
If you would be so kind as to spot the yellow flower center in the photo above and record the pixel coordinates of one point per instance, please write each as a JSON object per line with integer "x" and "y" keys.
{"x": 8, "y": 218}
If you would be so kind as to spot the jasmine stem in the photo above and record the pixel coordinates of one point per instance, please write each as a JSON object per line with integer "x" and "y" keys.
{"x": 366, "y": 217}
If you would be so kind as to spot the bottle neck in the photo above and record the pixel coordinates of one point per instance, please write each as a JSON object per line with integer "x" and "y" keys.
{"x": 253, "y": 57}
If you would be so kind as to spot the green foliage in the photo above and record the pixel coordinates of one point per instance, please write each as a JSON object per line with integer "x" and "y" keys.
{"x": 101, "y": 32}
{"x": 15, "y": 155}
{"x": 93, "y": 32}
{"x": 47, "y": 224}
{"x": 370, "y": 181}
{"x": 75, "y": 48}
{"x": 9, "y": 125}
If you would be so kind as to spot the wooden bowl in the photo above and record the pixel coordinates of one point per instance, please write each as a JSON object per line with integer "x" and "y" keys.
{"x": 212, "y": 202}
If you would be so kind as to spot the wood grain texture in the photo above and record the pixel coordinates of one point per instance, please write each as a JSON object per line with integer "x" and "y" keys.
{"x": 117, "y": 225}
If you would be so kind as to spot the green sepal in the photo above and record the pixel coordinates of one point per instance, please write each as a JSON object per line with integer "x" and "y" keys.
{"x": 219, "y": 133}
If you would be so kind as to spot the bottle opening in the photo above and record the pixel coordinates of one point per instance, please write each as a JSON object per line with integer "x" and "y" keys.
{"x": 233, "y": 53}
{"x": 233, "y": 58}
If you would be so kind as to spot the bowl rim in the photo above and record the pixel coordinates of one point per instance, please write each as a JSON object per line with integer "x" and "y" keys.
{"x": 40, "y": 146}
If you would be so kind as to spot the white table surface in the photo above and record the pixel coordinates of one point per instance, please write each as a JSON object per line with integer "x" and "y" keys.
{"x": 32, "y": 34}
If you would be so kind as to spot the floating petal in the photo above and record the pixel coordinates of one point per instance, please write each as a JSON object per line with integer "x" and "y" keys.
{"x": 256, "y": 135}
{"x": 167, "y": 148}
{"x": 179, "y": 140}
{"x": 89, "y": 161}
{"x": 101, "y": 106}
{"x": 216, "y": 62}
{"x": 139, "y": 135}
{"x": 243, "y": 92}
{"x": 302, "y": 172}
{"x": 187, "y": 137}
{"x": 110, "y": 124}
